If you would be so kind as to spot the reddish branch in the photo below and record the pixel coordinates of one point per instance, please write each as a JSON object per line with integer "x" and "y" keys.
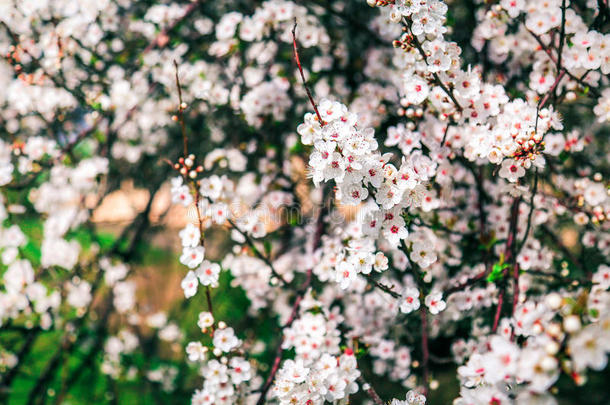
{"x": 181, "y": 107}
{"x": 298, "y": 61}
{"x": 548, "y": 51}
{"x": 294, "y": 314}
{"x": 316, "y": 242}
{"x": 280, "y": 350}
{"x": 498, "y": 311}
{"x": 553, "y": 88}
{"x": 370, "y": 391}
{"x": 509, "y": 257}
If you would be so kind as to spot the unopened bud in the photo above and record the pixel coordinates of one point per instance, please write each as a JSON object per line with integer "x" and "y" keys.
{"x": 551, "y": 348}
{"x": 571, "y": 324}
{"x": 553, "y": 301}
{"x": 548, "y": 363}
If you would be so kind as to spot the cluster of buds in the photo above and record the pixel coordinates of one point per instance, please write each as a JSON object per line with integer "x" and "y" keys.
{"x": 599, "y": 215}
{"x": 13, "y": 57}
{"x": 17, "y": 147}
{"x": 181, "y": 108}
{"x": 186, "y": 167}
{"x": 404, "y": 42}
{"x": 496, "y": 12}
{"x": 410, "y": 112}
{"x": 379, "y": 3}
{"x": 529, "y": 148}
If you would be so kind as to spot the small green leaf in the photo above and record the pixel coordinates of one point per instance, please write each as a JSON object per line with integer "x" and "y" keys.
{"x": 32, "y": 253}
{"x": 267, "y": 246}
{"x": 105, "y": 240}
{"x": 497, "y": 271}
{"x": 293, "y": 220}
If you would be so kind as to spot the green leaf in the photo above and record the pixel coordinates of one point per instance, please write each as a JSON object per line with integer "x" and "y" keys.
{"x": 297, "y": 148}
{"x": 32, "y": 253}
{"x": 105, "y": 240}
{"x": 497, "y": 272}
{"x": 84, "y": 149}
{"x": 267, "y": 246}
{"x": 293, "y": 220}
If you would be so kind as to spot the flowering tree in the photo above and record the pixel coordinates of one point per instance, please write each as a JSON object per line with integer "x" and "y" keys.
{"x": 406, "y": 202}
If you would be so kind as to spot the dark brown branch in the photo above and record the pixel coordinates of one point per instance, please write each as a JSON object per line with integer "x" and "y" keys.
{"x": 383, "y": 287}
{"x": 425, "y": 363}
{"x": 562, "y": 34}
{"x": 257, "y": 252}
{"x": 471, "y": 281}
{"x": 531, "y": 213}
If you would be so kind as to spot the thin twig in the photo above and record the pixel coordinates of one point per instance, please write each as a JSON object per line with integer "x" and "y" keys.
{"x": 298, "y": 61}
{"x": 498, "y": 311}
{"x": 370, "y": 391}
{"x": 257, "y": 252}
{"x": 437, "y": 79}
{"x": 530, "y": 215}
{"x": 445, "y": 133}
{"x": 562, "y": 34}
{"x": 383, "y": 287}
{"x": 471, "y": 281}
{"x": 548, "y": 51}
{"x": 181, "y": 107}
